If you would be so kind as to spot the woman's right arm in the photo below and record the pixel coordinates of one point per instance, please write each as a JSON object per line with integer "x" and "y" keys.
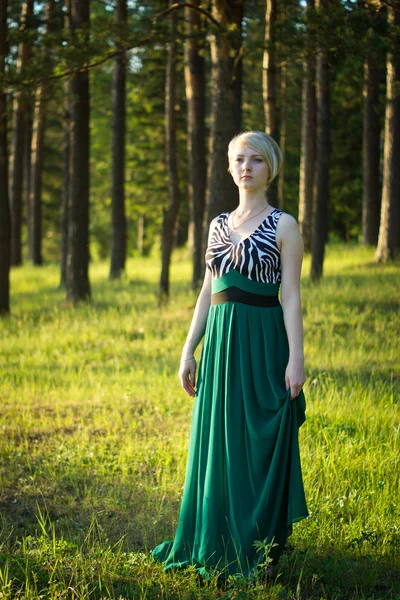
{"x": 187, "y": 367}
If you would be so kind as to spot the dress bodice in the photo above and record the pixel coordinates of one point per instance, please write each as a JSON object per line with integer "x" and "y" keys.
{"x": 257, "y": 256}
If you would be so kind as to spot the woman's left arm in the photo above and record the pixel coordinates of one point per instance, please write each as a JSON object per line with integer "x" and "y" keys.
{"x": 291, "y": 247}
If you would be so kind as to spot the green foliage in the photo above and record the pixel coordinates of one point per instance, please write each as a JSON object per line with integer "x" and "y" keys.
{"x": 95, "y": 429}
{"x": 346, "y": 155}
{"x": 348, "y": 32}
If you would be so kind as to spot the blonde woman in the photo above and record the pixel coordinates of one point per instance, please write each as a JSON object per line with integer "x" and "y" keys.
{"x": 243, "y": 478}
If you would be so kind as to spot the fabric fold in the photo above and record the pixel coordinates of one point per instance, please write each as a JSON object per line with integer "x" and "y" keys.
{"x": 243, "y": 477}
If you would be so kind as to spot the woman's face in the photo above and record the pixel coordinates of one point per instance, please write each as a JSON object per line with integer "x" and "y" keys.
{"x": 248, "y": 168}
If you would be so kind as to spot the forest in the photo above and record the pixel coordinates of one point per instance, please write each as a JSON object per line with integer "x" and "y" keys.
{"x": 115, "y": 120}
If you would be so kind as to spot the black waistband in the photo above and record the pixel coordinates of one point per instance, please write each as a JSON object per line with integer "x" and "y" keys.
{"x": 235, "y": 294}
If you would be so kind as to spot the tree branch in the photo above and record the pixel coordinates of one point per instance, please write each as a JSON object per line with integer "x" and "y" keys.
{"x": 177, "y": 5}
{"x": 87, "y": 66}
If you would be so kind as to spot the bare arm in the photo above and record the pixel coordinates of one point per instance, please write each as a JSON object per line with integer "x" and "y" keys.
{"x": 187, "y": 367}
{"x": 291, "y": 246}
{"x": 199, "y": 319}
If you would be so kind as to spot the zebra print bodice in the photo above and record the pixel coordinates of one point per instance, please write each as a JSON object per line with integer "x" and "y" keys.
{"x": 257, "y": 257}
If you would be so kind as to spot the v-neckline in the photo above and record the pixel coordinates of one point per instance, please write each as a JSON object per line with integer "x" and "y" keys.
{"x": 251, "y": 234}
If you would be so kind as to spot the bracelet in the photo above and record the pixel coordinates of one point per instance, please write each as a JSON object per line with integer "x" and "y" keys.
{"x": 186, "y": 359}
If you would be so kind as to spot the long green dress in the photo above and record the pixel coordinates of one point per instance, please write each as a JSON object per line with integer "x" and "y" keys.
{"x": 243, "y": 477}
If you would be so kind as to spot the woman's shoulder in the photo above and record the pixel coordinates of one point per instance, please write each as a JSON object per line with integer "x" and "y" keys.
{"x": 222, "y": 216}
{"x": 218, "y": 219}
{"x": 287, "y": 227}
{"x": 215, "y": 223}
{"x": 285, "y": 220}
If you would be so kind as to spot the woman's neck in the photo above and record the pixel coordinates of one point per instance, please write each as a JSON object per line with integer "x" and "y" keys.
{"x": 251, "y": 202}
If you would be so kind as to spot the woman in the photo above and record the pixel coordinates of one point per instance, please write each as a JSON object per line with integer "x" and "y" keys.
{"x": 243, "y": 478}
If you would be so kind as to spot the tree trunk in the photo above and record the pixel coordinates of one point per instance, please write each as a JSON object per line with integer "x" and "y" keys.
{"x": 320, "y": 229}
{"x": 308, "y": 144}
{"x": 389, "y": 230}
{"x": 78, "y": 286}
{"x": 195, "y": 94}
{"x": 225, "y": 118}
{"x": 21, "y": 104}
{"x": 35, "y": 195}
{"x": 371, "y": 153}
{"x": 39, "y": 127}
{"x": 282, "y": 138}
{"x": 66, "y": 187}
{"x": 171, "y": 213}
{"x": 27, "y": 173}
{"x": 270, "y": 70}
{"x": 182, "y": 229}
{"x": 118, "y": 219}
{"x": 5, "y": 217}
{"x": 271, "y": 83}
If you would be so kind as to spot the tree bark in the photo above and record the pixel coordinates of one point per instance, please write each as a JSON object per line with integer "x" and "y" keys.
{"x": 66, "y": 192}
{"x": 320, "y": 229}
{"x": 282, "y": 137}
{"x": 5, "y": 217}
{"x": 371, "y": 153}
{"x": 308, "y": 144}
{"x": 35, "y": 195}
{"x": 270, "y": 70}
{"x": 196, "y": 140}
{"x": 171, "y": 213}
{"x": 78, "y": 286}
{"x": 27, "y": 173}
{"x": 37, "y": 152}
{"x": 21, "y": 104}
{"x": 118, "y": 219}
{"x": 225, "y": 119}
{"x": 271, "y": 83}
{"x": 389, "y": 230}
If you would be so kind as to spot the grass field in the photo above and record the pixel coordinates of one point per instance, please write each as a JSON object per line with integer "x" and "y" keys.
{"x": 94, "y": 434}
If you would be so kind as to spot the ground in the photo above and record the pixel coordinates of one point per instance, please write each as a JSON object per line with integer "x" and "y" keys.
{"x": 94, "y": 433}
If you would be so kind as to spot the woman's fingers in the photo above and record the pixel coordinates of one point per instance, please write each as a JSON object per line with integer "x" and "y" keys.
{"x": 295, "y": 389}
{"x": 187, "y": 373}
{"x": 294, "y": 392}
{"x": 294, "y": 379}
{"x": 187, "y": 386}
{"x": 192, "y": 373}
{"x": 290, "y": 387}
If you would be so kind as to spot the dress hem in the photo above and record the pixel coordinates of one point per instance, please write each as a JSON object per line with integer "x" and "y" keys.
{"x": 208, "y": 572}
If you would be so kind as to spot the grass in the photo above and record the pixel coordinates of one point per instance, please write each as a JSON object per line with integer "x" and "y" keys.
{"x": 94, "y": 433}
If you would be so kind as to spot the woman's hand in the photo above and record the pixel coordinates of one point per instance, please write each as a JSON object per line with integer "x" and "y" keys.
{"x": 187, "y": 367}
{"x": 187, "y": 375}
{"x": 295, "y": 377}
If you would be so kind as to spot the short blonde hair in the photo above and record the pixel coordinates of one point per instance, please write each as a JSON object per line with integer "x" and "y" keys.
{"x": 262, "y": 143}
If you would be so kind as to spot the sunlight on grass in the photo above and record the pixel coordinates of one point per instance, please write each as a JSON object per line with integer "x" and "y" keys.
{"x": 95, "y": 430}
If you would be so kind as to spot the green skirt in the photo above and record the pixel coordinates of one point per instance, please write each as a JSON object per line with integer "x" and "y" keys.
{"x": 243, "y": 477}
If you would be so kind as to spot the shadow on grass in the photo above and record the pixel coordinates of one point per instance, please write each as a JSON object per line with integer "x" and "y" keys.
{"x": 56, "y": 565}
{"x": 71, "y": 508}
{"x": 361, "y": 279}
{"x": 381, "y": 306}
{"x": 364, "y": 376}
{"x": 340, "y": 573}
{"x": 141, "y": 295}
{"x": 96, "y": 531}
